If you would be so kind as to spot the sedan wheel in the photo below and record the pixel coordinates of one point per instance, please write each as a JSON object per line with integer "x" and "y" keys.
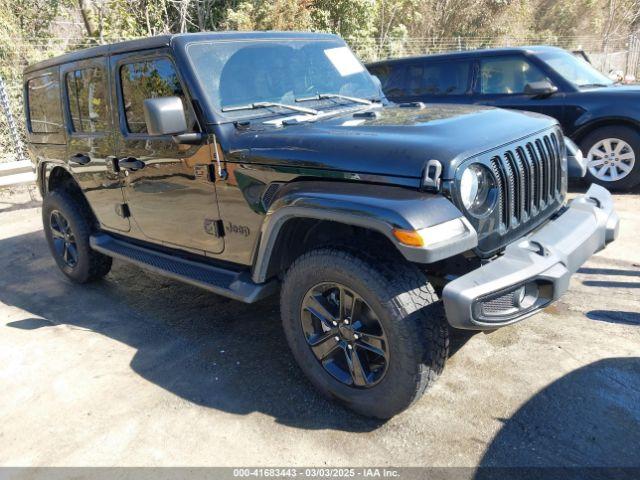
{"x": 611, "y": 159}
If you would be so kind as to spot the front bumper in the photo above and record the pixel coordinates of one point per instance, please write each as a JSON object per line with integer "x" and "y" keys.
{"x": 534, "y": 270}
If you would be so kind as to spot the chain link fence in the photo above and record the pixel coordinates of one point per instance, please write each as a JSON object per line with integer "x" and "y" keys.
{"x": 613, "y": 54}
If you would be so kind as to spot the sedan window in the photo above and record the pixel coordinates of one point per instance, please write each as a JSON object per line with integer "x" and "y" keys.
{"x": 439, "y": 79}
{"x": 508, "y": 75}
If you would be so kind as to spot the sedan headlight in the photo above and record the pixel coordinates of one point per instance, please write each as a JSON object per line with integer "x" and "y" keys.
{"x": 477, "y": 189}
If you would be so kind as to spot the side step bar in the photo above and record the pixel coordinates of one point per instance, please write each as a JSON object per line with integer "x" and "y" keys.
{"x": 228, "y": 283}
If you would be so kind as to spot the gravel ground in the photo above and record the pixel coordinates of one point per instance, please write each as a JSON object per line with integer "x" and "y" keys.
{"x": 140, "y": 370}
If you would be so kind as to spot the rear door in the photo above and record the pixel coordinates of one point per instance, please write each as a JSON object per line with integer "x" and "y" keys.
{"x": 427, "y": 81}
{"x": 172, "y": 198}
{"x": 439, "y": 82}
{"x": 90, "y": 145}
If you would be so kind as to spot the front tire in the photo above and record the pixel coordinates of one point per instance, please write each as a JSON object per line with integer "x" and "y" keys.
{"x": 613, "y": 157}
{"x": 67, "y": 227}
{"x": 369, "y": 334}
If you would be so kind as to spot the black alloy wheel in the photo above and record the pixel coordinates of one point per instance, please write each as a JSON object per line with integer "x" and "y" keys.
{"x": 345, "y": 335}
{"x": 64, "y": 240}
{"x": 68, "y": 225}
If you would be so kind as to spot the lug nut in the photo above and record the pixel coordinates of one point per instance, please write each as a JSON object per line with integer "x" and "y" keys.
{"x": 356, "y": 336}
{"x": 346, "y": 321}
{"x": 349, "y": 347}
{"x": 337, "y": 338}
{"x": 335, "y": 324}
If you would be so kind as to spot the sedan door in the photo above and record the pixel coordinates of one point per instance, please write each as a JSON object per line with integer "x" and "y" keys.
{"x": 426, "y": 81}
{"x": 169, "y": 188}
{"x": 502, "y": 82}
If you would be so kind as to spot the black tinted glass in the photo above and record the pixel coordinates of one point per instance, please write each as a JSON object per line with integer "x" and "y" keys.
{"x": 438, "y": 79}
{"x": 148, "y": 79}
{"x": 45, "y": 115}
{"x": 392, "y": 79}
{"x": 87, "y": 93}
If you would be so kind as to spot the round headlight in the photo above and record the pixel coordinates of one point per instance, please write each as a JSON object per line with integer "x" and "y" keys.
{"x": 476, "y": 189}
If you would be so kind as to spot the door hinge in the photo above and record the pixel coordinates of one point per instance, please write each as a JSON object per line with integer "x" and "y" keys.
{"x": 122, "y": 209}
{"x": 204, "y": 173}
{"x": 214, "y": 227}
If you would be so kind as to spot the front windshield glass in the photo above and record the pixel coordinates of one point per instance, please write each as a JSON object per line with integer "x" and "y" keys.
{"x": 574, "y": 69}
{"x": 242, "y": 73}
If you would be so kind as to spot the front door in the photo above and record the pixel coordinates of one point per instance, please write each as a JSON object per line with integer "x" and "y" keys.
{"x": 502, "y": 81}
{"x": 91, "y": 147}
{"x": 169, "y": 188}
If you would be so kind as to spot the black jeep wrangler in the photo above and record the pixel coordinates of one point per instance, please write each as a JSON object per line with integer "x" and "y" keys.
{"x": 255, "y": 163}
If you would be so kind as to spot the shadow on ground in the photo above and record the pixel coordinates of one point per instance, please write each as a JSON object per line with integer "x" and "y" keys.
{"x": 204, "y": 348}
{"x": 590, "y": 418}
{"x": 615, "y": 316}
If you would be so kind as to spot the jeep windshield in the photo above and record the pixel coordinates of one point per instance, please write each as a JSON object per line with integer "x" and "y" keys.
{"x": 273, "y": 74}
{"x": 575, "y": 70}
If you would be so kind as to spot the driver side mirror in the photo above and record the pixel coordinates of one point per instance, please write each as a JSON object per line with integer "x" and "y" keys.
{"x": 165, "y": 116}
{"x": 543, "y": 88}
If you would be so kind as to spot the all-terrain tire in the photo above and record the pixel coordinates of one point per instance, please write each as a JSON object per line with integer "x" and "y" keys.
{"x": 627, "y": 134}
{"x": 90, "y": 265}
{"x": 408, "y": 309}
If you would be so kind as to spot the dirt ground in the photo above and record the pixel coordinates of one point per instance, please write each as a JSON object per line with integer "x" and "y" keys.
{"x": 139, "y": 370}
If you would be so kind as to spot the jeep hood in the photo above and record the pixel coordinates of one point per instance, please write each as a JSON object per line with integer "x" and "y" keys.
{"x": 393, "y": 141}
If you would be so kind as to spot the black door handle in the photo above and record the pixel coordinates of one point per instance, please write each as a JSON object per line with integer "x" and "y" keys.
{"x": 131, "y": 163}
{"x": 80, "y": 159}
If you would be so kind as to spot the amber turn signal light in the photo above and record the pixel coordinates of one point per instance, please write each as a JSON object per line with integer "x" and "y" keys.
{"x": 408, "y": 237}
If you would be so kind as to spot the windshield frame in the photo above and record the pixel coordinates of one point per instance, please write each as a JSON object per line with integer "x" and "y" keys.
{"x": 543, "y": 56}
{"x": 219, "y": 116}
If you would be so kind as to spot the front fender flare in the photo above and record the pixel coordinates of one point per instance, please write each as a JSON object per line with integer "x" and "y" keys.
{"x": 374, "y": 207}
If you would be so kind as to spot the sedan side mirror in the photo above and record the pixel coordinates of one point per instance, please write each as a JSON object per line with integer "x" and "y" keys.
{"x": 165, "y": 116}
{"x": 543, "y": 88}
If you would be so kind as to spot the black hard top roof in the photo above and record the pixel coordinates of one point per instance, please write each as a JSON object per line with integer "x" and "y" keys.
{"x": 165, "y": 41}
{"x": 470, "y": 53}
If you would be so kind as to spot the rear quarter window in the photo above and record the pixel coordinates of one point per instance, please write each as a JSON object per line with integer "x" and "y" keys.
{"x": 43, "y": 99}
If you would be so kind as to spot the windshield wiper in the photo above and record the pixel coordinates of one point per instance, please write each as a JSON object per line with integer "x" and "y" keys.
{"x": 589, "y": 85}
{"x": 256, "y": 105}
{"x": 325, "y": 96}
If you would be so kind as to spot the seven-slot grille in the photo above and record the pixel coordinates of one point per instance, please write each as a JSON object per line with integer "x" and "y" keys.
{"x": 529, "y": 178}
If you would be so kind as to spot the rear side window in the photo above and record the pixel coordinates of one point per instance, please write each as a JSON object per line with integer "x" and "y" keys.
{"x": 392, "y": 79}
{"x": 43, "y": 96}
{"x": 438, "y": 79}
{"x": 148, "y": 79}
{"x": 87, "y": 92}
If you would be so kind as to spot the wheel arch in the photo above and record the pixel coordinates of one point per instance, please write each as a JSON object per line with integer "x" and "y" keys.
{"x": 56, "y": 176}
{"x": 595, "y": 124}
{"x": 312, "y": 214}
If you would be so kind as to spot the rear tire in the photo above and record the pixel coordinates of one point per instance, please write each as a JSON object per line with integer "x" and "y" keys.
{"x": 398, "y": 296}
{"x": 619, "y": 147}
{"x": 67, "y": 227}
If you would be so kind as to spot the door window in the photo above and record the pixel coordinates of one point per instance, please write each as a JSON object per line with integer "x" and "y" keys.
{"x": 508, "y": 75}
{"x": 149, "y": 79}
{"x": 392, "y": 79}
{"x": 87, "y": 94}
{"x": 43, "y": 94}
{"x": 438, "y": 79}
